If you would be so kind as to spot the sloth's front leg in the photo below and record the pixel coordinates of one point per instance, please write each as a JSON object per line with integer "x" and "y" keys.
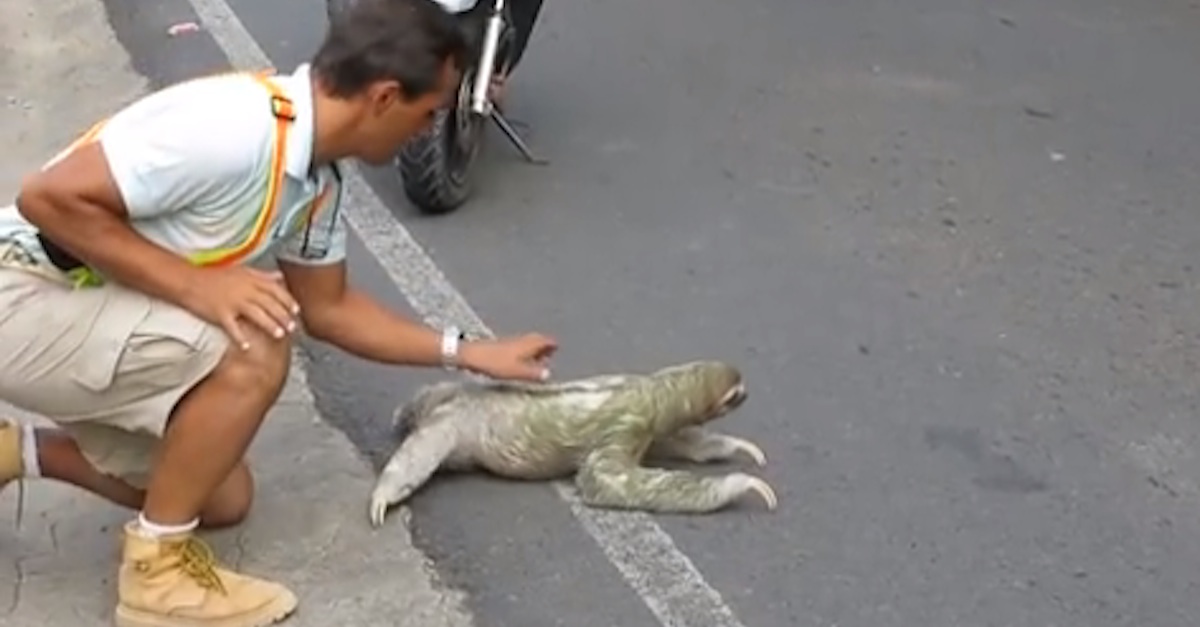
{"x": 611, "y": 479}
{"x": 695, "y": 444}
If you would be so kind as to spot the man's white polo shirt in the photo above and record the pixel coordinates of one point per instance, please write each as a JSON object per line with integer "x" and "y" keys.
{"x": 193, "y": 164}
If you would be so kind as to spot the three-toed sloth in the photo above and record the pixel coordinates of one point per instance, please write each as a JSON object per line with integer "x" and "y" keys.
{"x": 598, "y": 428}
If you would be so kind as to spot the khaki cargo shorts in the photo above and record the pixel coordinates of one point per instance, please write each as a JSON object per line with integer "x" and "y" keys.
{"x": 106, "y": 364}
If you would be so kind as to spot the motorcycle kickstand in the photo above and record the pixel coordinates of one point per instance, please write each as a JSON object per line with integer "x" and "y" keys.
{"x": 514, "y": 137}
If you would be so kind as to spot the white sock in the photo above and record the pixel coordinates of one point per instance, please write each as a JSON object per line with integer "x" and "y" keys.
{"x": 155, "y": 530}
{"x": 30, "y": 467}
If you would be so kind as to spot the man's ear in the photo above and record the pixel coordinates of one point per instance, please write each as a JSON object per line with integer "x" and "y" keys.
{"x": 384, "y": 96}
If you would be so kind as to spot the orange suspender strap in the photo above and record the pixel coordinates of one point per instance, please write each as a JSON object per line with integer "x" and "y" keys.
{"x": 87, "y": 137}
{"x": 282, "y": 109}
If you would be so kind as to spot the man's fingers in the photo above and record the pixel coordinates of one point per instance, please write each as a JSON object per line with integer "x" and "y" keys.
{"x": 278, "y": 312}
{"x": 255, "y": 314}
{"x": 533, "y": 373}
{"x": 544, "y": 346}
{"x": 273, "y": 284}
{"x": 544, "y": 349}
{"x": 279, "y": 293}
{"x": 234, "y": 330}
{"x": 538, "y": 338}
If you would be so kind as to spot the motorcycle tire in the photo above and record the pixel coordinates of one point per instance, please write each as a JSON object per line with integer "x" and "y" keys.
{"x": 435, "y": 165}
{"x": 435, "y": 173}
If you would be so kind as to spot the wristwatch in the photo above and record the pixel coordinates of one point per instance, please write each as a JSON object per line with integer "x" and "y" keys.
{"x": 452, "y": 338}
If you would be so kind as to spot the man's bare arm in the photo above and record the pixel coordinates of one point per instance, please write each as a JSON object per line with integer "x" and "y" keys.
{"x": 76, "y": 204}
{"x": 347, "y": 318}
{"x": 333, "y": 312}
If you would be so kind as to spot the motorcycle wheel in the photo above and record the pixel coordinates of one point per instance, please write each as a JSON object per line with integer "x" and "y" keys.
{"x": 435, "y": 165}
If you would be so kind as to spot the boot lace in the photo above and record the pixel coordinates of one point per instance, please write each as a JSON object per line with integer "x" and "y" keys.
{"x": 197, "y": 561}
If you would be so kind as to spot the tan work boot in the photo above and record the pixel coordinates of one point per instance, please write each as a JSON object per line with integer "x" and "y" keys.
{"x": 175, "y": 582}
{"x": 11, "y": 466}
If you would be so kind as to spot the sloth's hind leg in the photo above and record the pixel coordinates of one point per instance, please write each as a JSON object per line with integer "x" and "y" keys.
{"x": 695, "y": 444}
{"x": 611, "y": 479}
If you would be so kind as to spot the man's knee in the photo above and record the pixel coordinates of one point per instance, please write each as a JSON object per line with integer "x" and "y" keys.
{"x": 260, "y": 370}
{"x": 231, "y": 502}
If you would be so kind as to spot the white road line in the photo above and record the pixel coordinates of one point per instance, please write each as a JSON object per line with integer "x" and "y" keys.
{"x": 646, "y": 556}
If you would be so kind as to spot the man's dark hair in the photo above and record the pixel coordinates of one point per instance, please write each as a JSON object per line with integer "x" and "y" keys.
{"x": 408, "y": 41}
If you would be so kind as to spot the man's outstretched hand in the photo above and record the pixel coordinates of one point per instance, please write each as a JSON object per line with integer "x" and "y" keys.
{"x": 522, "y": 357}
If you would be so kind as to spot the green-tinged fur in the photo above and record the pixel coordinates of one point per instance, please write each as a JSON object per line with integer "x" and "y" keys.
{"x": 598, "y": 428}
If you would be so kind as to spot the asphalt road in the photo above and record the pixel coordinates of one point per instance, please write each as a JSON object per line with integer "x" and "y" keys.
{"x": 947, "y": 241}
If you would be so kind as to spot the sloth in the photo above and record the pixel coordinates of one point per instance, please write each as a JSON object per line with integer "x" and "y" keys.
{"x": 597, "y": 428}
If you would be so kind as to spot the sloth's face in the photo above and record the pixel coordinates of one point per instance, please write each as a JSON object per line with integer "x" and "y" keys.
{"x": 733, "y": 399}
{"x": 720, "y": 384}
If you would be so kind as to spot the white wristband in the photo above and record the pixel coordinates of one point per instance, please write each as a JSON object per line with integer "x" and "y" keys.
{"x": 451, "y": 338}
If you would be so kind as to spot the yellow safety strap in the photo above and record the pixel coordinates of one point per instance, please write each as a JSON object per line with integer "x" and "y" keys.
{"x": 282, "y": 108}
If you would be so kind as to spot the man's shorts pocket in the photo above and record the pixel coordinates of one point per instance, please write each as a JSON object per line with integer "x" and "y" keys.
{"x": 165, "y": 348}
{"x": 94, "y": 365}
